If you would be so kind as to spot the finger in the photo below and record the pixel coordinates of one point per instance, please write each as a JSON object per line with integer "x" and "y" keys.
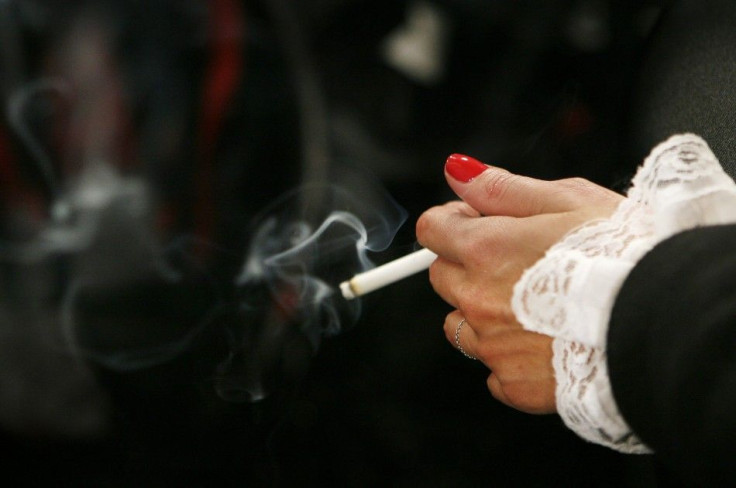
{"x": 522, "y": 365}
{"x": 444, "y": 228}
{"x": 445, "y": 277}
{"x": 496, "y": 191}
{"x": 524, "y": 401}
{"x": 535, "y": 397}
{"x": 496, "y": 389}
{"x": 491, "y": 242}
{"x": 460, "y": 334}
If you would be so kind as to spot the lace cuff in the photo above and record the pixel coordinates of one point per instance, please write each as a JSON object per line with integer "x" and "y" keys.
{"x": 569, "y": 293}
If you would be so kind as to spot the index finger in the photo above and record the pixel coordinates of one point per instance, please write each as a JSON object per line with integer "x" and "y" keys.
{"x": 457, "y": 232}
{"x": 443, "y": 227}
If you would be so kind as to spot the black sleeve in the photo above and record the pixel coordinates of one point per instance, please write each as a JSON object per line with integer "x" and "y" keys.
{"x": 672, "y": 354}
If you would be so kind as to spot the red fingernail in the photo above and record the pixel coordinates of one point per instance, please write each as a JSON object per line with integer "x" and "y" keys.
{"x": 464, "y": 168}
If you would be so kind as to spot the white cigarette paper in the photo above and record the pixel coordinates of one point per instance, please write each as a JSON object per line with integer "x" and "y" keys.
{"x": 386, "y": 274}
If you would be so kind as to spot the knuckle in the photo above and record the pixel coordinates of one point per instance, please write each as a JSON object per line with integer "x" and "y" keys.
{"x": 574, "y": 189}
{"x": 424, "y": 223}
{"x": 473, "y": 244}
{"x": 434, "y": 273}
{"x": 485, "y": 352}
{"x": 481, "y": 246}
{"x": 482, "y": 308}
{"x": 494, "y": 353}
{"x": 576, "y": 183}
{"x": 449, "y": 333}
{"x": 497, "y": 183}
{"x": 449, "y": 328}
{"x": 493, "y": 389}
{"x": 470, "y": 300}
{"x": 431, "y": 219}
{"x": 496, "y": 388}
{"x": 583, "y": 189}
{"x": 449, "y": 320}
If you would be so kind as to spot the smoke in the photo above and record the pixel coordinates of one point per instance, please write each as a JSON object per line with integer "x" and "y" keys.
{"x": 19, "y": 103}
{"x": 308, "y": 248}
{"x": 129, "y": 303}
{"x": 132, "y": 305}
{"x": 124, "y": 299}
{"x": 92, "y": 186}
{"x": 303, "y": 246}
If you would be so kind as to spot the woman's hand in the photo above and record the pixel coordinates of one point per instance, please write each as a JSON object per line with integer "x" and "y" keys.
{"x": 502, "y": 226}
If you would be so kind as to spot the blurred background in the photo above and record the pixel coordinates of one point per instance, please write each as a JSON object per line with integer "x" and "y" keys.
{"x": 154, "y": 155}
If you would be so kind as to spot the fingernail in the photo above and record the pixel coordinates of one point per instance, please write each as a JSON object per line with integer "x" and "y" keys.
{"x": 464, "y": 168}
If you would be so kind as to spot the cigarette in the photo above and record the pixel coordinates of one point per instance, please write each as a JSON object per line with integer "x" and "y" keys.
{"x": 386, "y": 274}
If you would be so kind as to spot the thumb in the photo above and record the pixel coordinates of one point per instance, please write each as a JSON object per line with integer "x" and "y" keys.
{"x": 495, "y": 191}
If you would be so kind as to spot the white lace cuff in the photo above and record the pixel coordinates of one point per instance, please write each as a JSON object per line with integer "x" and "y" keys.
{"x": 569, "y": 293}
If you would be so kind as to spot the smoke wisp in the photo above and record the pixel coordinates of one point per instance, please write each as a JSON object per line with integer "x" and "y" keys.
{"x": 303, "y": 246}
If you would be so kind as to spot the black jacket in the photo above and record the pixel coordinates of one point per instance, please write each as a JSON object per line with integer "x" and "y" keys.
{"x": 672, "y": 354}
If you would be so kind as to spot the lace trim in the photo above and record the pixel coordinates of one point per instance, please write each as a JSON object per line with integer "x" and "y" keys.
{"x": 570, "y": 292}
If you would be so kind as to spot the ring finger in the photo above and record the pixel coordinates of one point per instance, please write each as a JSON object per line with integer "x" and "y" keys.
{"x": 459, "y": 332}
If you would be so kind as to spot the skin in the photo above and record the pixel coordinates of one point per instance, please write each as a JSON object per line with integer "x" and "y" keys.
{"x": 501, "y": 226}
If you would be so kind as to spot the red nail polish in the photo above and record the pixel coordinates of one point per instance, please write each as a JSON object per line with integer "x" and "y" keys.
{"x": 464, "y": 168}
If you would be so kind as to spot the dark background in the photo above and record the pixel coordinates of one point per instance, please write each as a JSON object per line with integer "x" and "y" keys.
{"x": 227, "y": 105}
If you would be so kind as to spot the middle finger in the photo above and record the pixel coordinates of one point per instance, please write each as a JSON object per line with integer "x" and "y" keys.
{"x": 447, "y": 279}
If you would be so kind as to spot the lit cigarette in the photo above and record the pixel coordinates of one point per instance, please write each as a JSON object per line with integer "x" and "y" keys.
{"x": 386, "y": 274}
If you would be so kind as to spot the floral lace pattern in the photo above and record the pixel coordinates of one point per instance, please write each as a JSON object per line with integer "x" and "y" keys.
{"x": 570, "y": 292}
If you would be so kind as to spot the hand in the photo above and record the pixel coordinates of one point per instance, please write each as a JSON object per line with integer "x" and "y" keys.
{"x": 504, "y": 224}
